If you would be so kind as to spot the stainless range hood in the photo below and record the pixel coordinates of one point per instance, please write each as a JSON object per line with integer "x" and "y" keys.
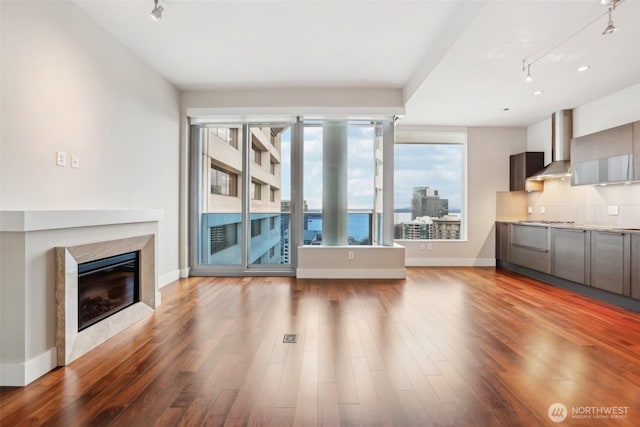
{"x": 561, "y": 134}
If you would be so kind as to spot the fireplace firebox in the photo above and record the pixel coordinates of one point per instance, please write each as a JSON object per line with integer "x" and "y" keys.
{"x": 106, "y": 286}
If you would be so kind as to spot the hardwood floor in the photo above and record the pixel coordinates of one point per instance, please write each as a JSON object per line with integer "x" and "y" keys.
{"x": 448, "y": 346}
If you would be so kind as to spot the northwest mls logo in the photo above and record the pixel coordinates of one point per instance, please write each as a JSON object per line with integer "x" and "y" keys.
{"x": 557, "y": 412}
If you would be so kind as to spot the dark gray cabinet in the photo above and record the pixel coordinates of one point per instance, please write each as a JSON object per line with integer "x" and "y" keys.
{"x": 610, "y": 261}
{"x": 502, "y": 241}
{"x": 570, "y": 252}
{"x": 522, "y": 166}
{"x": 635, "y": 266}
{"x": 530, "y": 247}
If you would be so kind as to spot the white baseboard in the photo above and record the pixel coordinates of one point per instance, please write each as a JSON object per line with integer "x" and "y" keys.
{"x": 184, "y": 272}
{"x": 351, "y": 273}
{"x": 167, "y": 278}
{"x": 450, "y": 262}
{"x": 21, "y": 374}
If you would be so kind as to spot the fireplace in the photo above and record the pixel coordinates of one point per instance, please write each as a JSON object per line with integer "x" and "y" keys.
{"x": 102, "y": 288}
{"x": 106, "y": 286}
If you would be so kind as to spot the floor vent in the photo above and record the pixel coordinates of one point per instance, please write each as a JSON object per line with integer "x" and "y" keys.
{"x": 290, "y": 338}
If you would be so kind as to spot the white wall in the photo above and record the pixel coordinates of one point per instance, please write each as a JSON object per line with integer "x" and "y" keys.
{"x": 69, "y": 86}
{"x": 588, "y": 204}
{"x": 488, "y": 151}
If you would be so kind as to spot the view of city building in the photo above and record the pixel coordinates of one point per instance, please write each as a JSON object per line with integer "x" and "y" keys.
{"x": 430, "y": 218}
{"x": 222, "y": 197}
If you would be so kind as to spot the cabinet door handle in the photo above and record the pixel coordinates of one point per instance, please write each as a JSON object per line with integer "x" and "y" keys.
{"x": 531, "y": 247}
{"x": 582, "y": 230}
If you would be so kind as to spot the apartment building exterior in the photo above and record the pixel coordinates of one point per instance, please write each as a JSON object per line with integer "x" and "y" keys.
{"x": 222, "y": 190}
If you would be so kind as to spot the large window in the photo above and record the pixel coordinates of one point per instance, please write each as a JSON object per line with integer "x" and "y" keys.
{"x": 430, "y": 185}
{"x": 223, "y": 182}
{"x": 359, "y": 168}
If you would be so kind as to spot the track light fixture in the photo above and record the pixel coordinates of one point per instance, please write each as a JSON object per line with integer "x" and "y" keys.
{"x": 611, "y": 6}
{"x": 610, "y": 27}
{"x": 156, "y": 13}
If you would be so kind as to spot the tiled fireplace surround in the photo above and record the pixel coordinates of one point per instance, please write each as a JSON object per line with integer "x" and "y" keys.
{"x": 72, "y": 344}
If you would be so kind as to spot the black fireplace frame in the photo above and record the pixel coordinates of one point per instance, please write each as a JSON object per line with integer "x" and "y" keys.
{"x": 129, "y": 260}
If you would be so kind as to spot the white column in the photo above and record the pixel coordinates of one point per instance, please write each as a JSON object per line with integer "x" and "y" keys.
{"x": 387, "y": 183}
{"x": 334, "y": 183}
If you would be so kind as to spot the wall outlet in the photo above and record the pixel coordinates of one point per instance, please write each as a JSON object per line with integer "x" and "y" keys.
{"x": 61, "y": 158}
{"x": 542, "y": 209}
{"x": 75, "y": 161}
{"x": 529, "y": 210}
{"x": 350, "y": 255}
{"x": 612, "y": 210}
{"x": 429, "y": 246}
{"x": 422, "y": 246}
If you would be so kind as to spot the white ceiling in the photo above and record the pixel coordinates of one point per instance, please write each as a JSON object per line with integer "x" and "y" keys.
{"x": 457, "y": 62}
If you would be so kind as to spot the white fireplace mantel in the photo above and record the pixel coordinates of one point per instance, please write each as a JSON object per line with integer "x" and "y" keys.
{"x": 38, "y": 220}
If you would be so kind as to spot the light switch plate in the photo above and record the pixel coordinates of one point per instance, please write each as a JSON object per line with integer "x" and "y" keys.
{"x": 529, "y": 209}
{"x": 612, "y": 210}
{"x": 75, "y": 161}
{"x": 61, "y": 158}
{"x": 542, "y": 209}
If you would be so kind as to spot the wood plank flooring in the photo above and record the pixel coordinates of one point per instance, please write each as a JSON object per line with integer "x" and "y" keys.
{"x": 446, "y": 347}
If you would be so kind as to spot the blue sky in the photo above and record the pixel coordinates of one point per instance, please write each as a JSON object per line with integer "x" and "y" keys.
{"x": 417, "y": 165}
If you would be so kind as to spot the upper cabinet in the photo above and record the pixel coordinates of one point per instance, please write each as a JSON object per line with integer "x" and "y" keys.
{"x": 522, "y": 166}
{"x": 606, "y": 156}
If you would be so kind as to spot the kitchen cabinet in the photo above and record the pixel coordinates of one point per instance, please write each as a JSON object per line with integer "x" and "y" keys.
{"x": 603, "y": 157}
{"x": 530, "y": 247}
{"x": 611, "y": 261}
{"x": 502, "y": 241}
{"x": 635, "y": 266}
{"x": 570, "y": 254}
{"x": 522, "y": 166}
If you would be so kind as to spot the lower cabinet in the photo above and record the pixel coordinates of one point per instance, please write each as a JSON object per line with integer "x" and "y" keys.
{"x": 635, "y": 266}
{"x": 530, "y": 247}
{"x": 570, "y": 252}
{"x": 611, "y": 261}
{"x": 502, "y": 241}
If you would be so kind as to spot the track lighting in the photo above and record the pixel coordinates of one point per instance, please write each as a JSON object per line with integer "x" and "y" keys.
{"x": 611, "y": 6}
{"x": 156, "y": 13}
{"x": 610, "y": 27}
{"x": 527, "y": 67}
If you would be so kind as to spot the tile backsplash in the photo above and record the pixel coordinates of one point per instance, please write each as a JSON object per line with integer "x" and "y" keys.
{"x": 586, "y": 204}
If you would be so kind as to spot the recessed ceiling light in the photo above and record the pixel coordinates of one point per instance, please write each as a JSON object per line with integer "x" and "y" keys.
{"x": 584, "y": 68}
{"x": 538, "y": 92}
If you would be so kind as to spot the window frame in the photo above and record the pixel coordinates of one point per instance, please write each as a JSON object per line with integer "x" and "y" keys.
{"x": 438, "y": 136}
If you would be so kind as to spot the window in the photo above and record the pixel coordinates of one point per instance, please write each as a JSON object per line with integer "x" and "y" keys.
{"x": 256, "y": 227}
{"x": 357, "y": 147}
{"x": 272, "y": 252}
{"x": 272, "y": 223}
{"x": 273, "y": 166}
{"x": 223, "y": 182}
{"x": 272, "y": 195}
{"x": 228, "y": 135}
{"x": 429, "y": 185}
{"x": 222, "y": 237}
{"x": 256, "y": 191}
{"x": 257, "y": 154}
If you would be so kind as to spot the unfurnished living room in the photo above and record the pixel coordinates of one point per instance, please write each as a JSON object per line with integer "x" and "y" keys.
{"x": 315, "y": 212}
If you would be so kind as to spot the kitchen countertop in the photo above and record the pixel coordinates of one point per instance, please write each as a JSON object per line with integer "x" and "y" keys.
{"x": 574, "y": 225}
